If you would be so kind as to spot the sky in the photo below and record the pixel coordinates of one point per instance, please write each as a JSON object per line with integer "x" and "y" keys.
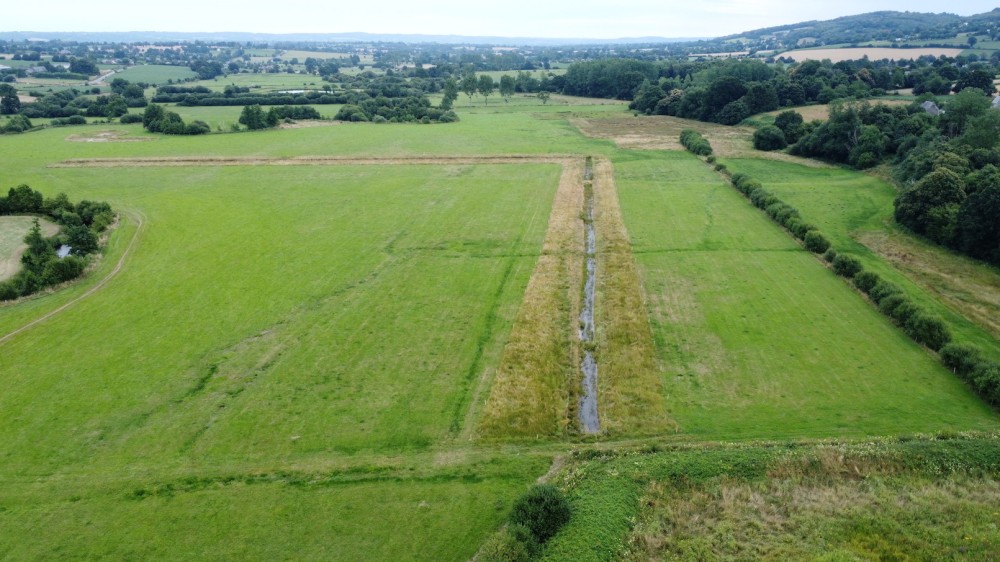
{"x": 605, "y": 19}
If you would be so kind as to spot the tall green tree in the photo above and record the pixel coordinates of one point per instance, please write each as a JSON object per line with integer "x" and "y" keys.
{"x": 485, "y": 87}
{"x": 450, "y": 94}
{"x": 470, "y": 85}
{"x": 9, "y": 102}
{"x": 506, "y": 87}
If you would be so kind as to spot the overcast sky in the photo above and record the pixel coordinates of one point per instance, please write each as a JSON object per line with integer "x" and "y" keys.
{"x": 604, "y": 19}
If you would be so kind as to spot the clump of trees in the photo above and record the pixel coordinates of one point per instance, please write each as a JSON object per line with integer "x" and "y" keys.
{"x": 80, "y": 227}
{"x": 156, "y": 119}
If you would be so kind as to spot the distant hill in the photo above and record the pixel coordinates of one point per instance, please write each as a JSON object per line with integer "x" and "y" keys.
{"x": 874, "y": 26}
{"x": 171, "y": 36}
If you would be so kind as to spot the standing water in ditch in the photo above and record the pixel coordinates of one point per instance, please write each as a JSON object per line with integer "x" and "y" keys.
{"x": 588, "y": 398}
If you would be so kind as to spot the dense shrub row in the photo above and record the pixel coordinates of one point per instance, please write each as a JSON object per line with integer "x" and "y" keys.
{"x": 535, "y": 518}
{"x": 782, "y": 213}
{"x": 968, "y": 363}
{"x": 81, "y": 225}
{"x": 693, "y": 141}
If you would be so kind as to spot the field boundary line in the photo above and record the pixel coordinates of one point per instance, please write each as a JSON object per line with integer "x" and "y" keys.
{"x": 307, "y": 161}
{"x": 138, "y": 217}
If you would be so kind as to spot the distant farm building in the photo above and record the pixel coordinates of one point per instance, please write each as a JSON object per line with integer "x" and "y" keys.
{"x": 932, "y": 108}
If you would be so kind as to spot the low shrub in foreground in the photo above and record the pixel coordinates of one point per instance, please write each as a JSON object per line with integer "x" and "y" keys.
{"x": 543, "y": 509}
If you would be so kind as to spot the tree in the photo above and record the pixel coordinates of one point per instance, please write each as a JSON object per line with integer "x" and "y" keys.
{"x": 254, "y": 118}
{"x": 646, "y": 97}
{"x": 470, "y": 85}
{"x": 979, "y": 79}
{"x": 978, "y": 225}
{"x": 485, "y": 87}
{"x": 543, "y": 510}
{"x": 790, "y": 122}
{"x": 450, "y": 94}
{"x": 931, "y": 206}
{"x": 544, "y": 96}
{"x": 506, "y": 87}
{"x": 83, "y": 66}
{"x": 769, "y": 137}
{"x": 963, "y": 106}
{"x": 9, "y": 102}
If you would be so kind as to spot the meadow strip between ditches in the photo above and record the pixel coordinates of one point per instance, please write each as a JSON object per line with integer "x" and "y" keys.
{"x": 536, "y": 382}
{"x": 630, "y": 394}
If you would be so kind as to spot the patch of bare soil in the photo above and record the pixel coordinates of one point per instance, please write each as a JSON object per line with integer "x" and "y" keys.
{"x": 660, "y": 132}
{"x": 309, "y": 123}
{"x": 106, "y": 136}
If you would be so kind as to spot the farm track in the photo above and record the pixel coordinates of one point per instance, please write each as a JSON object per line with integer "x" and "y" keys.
{"x": 138, "y": 217}
{"x": 305, "y": 161}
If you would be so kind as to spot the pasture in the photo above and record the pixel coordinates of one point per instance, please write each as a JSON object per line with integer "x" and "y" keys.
{"x": 157, "y": 74}
{"x": 755, "y": 337}
{"x": 855, "y": 211}
{"x": 299, "y": 353}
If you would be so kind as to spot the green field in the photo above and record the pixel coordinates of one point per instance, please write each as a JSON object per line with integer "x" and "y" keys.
{"x": 157, "y": 74}
{"x": 847, "y": 207}
{"x": 756, "y": 337}
{"x": 293, "y": 359}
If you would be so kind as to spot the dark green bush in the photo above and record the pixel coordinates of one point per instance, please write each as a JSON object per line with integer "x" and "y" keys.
{"x": 769, "y": 138}
{"x": 817, "y": 243}
{"x": 888, "y": 304}
{"x": 513, "y": 543}
{"x": 543, "y": 509}
{"x": 830, "y": 255}
{"x": 961, "y": 358}
{"x": 883, "y": 289}
{"x": 904, "y": 311}
{"x": 866, "y": 281}
{"x": 694, "y": 142}
{"x": 928, "y": 330}
{"x": 130, "y": 118}
{"x": 800, "y": 228}
{"x": 986, "y": 380}
{"x": 846, "y": 266}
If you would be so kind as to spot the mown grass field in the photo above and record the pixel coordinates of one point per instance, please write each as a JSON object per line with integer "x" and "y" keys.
{"x": 854, "y": 209}
{"x": 241, "y": 342}
{"x": 294, "y": 360}
{"x": 756, "y": 338}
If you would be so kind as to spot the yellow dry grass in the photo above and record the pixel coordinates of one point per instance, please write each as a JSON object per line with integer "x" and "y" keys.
{"x": 873, "y": 53}
{"x": 660, "y": 132}
{"x": 537, "y": 377}
{"x": 630, "y": 391}
{"x": 968, "y": 286}
{"x": 822, "y": 112}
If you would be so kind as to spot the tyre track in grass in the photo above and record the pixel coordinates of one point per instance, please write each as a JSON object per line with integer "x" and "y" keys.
{"x": 136, "y": 216}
